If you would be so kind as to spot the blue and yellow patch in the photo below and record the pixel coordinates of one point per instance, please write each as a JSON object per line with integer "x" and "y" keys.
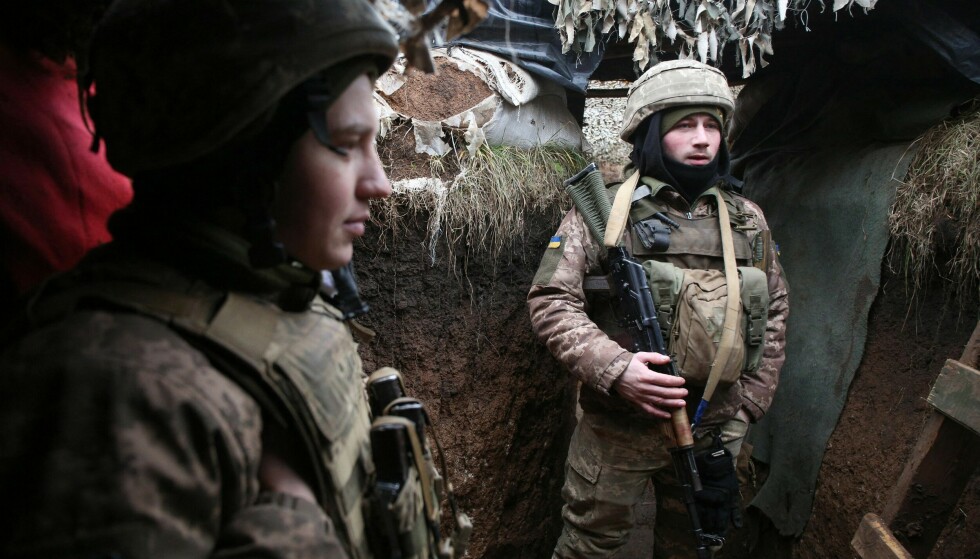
{"x": 555, "y": 242}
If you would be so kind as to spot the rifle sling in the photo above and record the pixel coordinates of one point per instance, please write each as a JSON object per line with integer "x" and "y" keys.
{"x": 620, "y": 211}
{"x": 614, "y": 231}
{"x": 733, "y": 300}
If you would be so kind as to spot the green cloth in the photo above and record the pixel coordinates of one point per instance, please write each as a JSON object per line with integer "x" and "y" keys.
{"x": 822, "y": 153}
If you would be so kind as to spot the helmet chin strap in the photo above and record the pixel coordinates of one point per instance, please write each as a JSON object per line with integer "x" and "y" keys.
{"x": 310, "y": 99}
{"x": 319, "y": 97}
{"x": 265, "y": 251}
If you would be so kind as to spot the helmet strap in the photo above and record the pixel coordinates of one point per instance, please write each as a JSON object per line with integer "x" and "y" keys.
{"x": 319, "y": 97}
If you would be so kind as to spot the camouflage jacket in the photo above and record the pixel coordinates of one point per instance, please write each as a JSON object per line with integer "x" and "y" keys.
{"x": 564, "y": 317}
{"x": 119, "y": 437}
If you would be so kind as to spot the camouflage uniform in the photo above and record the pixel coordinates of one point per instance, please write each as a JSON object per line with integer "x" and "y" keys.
{"x": 127, "y": 428}
{"x": 615, "y": 449}
{"x": 143, "y": 394}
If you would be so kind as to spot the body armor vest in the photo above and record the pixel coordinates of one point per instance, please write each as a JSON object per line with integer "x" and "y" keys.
{"x": 302, "y": 368}
{"x": 697, "y": 242}
{"x": 685, "y": 268}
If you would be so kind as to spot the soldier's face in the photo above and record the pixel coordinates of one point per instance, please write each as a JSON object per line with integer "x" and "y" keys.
{"x": 323, "y": 200}
{"x": 694, "y": 140}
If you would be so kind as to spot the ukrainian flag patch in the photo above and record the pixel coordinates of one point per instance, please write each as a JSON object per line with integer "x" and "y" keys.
{"x": 555, "y": 242}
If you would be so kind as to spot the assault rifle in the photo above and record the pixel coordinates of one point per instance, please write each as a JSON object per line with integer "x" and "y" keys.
{"x": 402, "y": 458}
{"x": 629, "y": 283}
{"x": 390, "y": 447}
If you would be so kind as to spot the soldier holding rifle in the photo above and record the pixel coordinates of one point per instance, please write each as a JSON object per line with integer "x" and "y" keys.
{"x": 713, "y": 291}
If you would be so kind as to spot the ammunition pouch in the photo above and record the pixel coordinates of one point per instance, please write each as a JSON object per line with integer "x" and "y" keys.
{"x": 690, "y": 307}
{"x": 719, "y": 501}
{"x": 409, "y": 489}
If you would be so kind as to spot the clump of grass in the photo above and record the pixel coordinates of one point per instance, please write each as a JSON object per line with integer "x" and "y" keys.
{"x": 485, "y": 208}
{"x": 935, "y": 221}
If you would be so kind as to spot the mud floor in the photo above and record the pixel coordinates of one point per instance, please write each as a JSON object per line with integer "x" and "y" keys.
{"x": 504, "y": 409}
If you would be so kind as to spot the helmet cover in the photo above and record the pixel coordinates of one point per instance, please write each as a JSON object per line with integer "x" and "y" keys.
{"x": 674, "y": 84}
{"x": 177, "y": 79}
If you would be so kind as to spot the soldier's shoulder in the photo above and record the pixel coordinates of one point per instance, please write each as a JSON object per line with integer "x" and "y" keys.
{"x": 747, "y": 203}
{"x": 121, "y": 354}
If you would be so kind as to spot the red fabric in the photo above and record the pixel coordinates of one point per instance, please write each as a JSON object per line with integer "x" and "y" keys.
{"x": 55, "y": 194}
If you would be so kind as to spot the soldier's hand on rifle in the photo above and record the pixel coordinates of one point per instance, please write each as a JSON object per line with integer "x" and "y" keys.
{"x": 653, "y": 392}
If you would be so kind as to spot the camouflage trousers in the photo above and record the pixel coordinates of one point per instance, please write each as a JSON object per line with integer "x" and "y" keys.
{"x": 609, "y": 464}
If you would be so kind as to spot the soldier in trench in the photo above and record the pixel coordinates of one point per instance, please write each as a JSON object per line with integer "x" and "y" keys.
{"x": 675, "y": 119}
{"x": 187, "y": 390}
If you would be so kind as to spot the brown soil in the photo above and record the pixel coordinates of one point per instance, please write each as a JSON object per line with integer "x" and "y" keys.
{"x": 441, "y": 95}
{"x": 885, "y": 409}
{"x": 401, "y": 161}
{"x": 501, "y": 405}
{"x": 504, "y": 408}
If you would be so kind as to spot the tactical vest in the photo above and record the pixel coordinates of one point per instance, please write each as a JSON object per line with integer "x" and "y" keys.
{"x": 301, "y": 368}
{"x": 685, "y": 269}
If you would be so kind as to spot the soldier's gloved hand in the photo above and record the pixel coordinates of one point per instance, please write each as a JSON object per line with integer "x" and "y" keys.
{"x": 655, "y": 393}
{"x": 718, "y": 503}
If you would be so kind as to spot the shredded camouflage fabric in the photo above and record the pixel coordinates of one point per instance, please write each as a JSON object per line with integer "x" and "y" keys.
{"x": 698, "y": 29}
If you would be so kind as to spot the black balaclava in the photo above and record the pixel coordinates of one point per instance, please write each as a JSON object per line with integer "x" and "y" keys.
{"x": 689, "y": 180}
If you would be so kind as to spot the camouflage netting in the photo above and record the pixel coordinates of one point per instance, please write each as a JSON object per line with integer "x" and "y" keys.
{"x": 693, "y": 28}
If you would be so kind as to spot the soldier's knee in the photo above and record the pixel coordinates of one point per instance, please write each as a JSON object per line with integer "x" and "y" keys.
{"x": 580, "y": 544}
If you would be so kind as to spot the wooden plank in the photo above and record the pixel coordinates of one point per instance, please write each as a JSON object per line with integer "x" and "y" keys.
{"x": 971, "y": 354}
{"x": 937, "y": 472}
{"x": 956, "y": 393}
{"x": 941, "y": 464}
{"x": 873, "y": 540}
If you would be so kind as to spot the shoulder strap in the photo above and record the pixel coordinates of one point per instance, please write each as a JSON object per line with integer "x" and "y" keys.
{"x": 246, "y": 327}
{"x": 733, "y": 300}
{"x": 620, "y": 211}
{"x": 242, "y": 327}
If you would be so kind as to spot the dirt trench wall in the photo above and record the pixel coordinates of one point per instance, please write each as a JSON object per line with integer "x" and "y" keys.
{"x": 503, "y": 407}
{"x": 909, "y": 339}
{"x": 501, "y": 404}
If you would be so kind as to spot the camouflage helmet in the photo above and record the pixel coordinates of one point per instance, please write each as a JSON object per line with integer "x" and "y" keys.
{"x": 177, "y": 79}
{"x": 672, "y": 84}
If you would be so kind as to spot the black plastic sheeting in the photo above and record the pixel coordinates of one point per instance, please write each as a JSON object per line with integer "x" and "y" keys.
{"x": 950, "y": 28}
{"x": 523, "y": 31}
{"x": 824, "y": 136}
